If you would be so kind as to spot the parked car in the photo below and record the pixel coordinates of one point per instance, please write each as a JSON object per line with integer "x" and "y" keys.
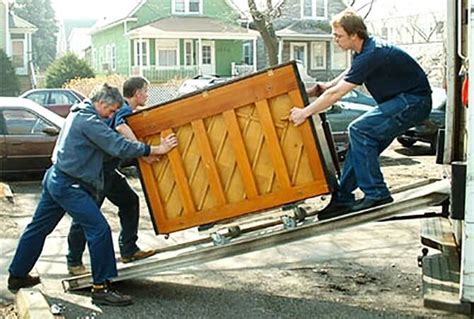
{"x": 28, "y": 133}
{"x": 356, "y": 96}
{"x": 199, "y": 82}
{"x": 428, "y": 131}
{"x": 57, "y": 100}
{"x": 339, "y": 116}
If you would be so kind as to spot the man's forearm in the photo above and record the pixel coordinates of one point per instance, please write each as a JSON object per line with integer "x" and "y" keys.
{"x": 327, "y": 99}
{"x": 337, "y": 79}
{"x": 126, "y": 132}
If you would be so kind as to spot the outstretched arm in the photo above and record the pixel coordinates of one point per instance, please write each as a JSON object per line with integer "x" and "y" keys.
{"x": 328, "y": 98}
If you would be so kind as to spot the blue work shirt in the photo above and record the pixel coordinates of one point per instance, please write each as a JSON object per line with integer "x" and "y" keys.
{"x": 84, "y": 142}
{"x": 111, "y": 163}
{"x": 387, "y": 71}
{"x": 119, "y": 116}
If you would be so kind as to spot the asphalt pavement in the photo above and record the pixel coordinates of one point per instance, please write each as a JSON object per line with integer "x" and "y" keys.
{"x": 261, "y": 284}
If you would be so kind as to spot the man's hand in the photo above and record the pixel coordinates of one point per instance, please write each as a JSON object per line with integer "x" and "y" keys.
{"x": 167, "y": 144}
{"x": 152, "y": 159}
{"x": 298, "y": 115}
{"x": 317, "y": 89}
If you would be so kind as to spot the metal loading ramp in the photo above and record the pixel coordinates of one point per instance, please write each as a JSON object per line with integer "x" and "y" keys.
{"x": 269, "y": 235}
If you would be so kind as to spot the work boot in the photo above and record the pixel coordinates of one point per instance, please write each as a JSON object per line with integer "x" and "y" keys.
{"x": 103, "y": 295}
{"x": 336, "y": 209}
{"x": 138, "y": 255}
{"x": 16, "y": 283}
{"x": 367, "y": 203}
{"x": 77, "y": 270}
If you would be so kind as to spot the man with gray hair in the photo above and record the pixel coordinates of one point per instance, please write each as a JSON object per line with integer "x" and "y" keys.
{"x": 71, "y": 185}
{"x": 116, "y": 189}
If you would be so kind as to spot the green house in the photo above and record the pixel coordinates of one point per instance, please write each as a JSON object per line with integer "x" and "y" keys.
{"x": 167, "y": 39}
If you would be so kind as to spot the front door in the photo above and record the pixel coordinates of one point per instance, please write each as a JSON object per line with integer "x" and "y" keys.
{"x": 208, "y": 58}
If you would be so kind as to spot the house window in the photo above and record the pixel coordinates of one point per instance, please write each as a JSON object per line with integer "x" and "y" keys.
{"x": 94, "y": 58}
{"x": 298, "y": 52}
{"x": 315, "y": 9}
{"x": 179, "y": 6}
{"x": 187, "y": 6}
{"x": 106, "y": 65}
{"x": 113, "y": 57}
{"x": 194, "y": 6}
{"x": 167, "y": 52}
{"x": 101, "y": 57}
{"x": 189, "y": 52}
{"x": 18, "y": 53}
{"x": 247, "y": 53}
{"x": 318, "y": 55}
{"x": 206, "y": 54}
{"x": 339, "y": 58}
{"x": 141, "y": 52}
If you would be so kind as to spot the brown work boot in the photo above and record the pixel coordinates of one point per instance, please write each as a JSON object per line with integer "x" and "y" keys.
{"x": 16, "y": 283}
{"x": 103, "y": 295}
{"x": 77, "y": 270}
{"x": 138, "y": 255}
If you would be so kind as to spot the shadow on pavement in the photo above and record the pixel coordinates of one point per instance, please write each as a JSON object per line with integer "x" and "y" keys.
{"x": 171, "y": 300}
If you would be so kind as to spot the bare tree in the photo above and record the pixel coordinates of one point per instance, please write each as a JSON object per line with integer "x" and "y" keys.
{"x": 263, "y": 21}
{"x": 265, "y": 17}
{"x": 361, "y": 6}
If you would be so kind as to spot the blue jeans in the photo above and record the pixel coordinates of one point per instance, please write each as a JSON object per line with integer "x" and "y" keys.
{"x": 119, "y": 192}
{"x": 369, "y": 136}
{"x": 62, "y": 194}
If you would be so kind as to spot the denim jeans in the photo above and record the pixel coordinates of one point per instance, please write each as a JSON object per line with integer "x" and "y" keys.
{"x": 369, "y": 136}
{"x": 62, "y": 194}
{"x": 119, "y": 192}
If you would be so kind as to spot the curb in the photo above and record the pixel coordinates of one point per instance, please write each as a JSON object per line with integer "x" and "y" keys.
{"x": 30, "y": 303}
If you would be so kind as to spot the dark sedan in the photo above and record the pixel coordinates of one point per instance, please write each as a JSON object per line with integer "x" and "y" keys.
{"x": 28, "y": 134}
{"x": 57, "y": 100}
{"x": 356, "y": 96}
{"x": 339, "y": 116}
{"x": 427, "y": 132}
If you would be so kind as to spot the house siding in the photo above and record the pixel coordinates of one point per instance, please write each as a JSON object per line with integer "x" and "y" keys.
{"x": 290, "y": 14}
{"x": 227, "y": 51}
{"x": 154, "y": 10}
{"x": 114, "y": 35}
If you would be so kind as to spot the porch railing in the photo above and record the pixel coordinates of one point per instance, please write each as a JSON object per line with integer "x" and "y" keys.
{"x": 163, "y": 74}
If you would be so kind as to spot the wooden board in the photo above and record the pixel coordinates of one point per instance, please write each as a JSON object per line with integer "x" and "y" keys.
{"x": 238, "y": 153}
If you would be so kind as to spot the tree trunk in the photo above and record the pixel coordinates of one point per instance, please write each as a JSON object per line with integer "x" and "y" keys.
{"x": 264, "y": 26}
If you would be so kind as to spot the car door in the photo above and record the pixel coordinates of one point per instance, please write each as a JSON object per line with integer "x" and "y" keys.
{"x": 28, "y": 148}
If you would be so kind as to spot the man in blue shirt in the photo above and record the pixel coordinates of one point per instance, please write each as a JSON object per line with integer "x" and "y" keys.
{"x": 403, "y": 96}
{"x": 116, "y": 188}
{"x": 71, "y": 185}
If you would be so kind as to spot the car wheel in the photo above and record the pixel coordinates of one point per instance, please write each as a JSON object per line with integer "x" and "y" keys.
{"x": 405, "y": 141}
{"x": 341, "y": 155}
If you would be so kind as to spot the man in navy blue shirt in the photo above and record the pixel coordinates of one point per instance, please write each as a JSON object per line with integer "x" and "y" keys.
{"x": 403, "y": 95}
{"x": 116, "y": 188}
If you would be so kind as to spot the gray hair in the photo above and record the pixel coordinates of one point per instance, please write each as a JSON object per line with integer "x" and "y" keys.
{"x": 108, "y": 94}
